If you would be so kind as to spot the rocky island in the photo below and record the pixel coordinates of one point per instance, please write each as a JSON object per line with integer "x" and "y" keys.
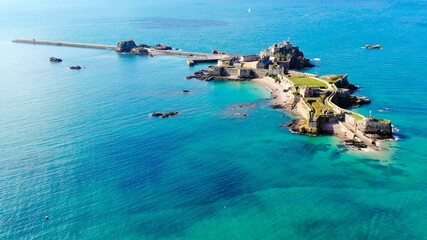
{"x": 318, "y": 101}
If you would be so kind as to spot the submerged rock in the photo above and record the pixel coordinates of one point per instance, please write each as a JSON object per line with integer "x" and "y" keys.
{"x": 54, "y": 59}
{"x": 185, "y": 91}
{"x": 241, "y": 106}
{"x": 241, "y": 114}
{"x": 169, "y": 114}
{"x": 75, "y": 67}
{"x": 156, "y": 114}
{"x": 164, "y": 115}
{"x": 377, "y": 46}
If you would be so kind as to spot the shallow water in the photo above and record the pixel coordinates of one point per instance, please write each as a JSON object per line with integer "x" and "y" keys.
{"x": 80, "y": 146}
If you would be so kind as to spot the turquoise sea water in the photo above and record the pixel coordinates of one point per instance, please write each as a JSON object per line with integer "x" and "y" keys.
{"x": 80, "y": 147}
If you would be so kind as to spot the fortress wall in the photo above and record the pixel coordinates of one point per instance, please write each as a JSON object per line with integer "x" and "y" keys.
{"x": 245, "y": 73}
{"x": 350, "y": 120}
{"x": 330, "y": 118}
{"x": 234, "y": 72}
{"x": 215, "y": 71}
{"x": 375, "y": 127}
{"x": 264, "y": 72}
{"x": 303, "y": 109}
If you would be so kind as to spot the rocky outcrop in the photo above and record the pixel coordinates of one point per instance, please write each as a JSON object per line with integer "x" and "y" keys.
{"x": 202, "y": 75}
{"x": 125, "y": 46}
{"x": 344, "y": 83}
{"x": 301, "y": 126}
{"x": 139, "y": 51}
{"x": 162, "y": 47}
{"x": 297, "y": 60}
{"x": 346, "y": 101}
{"x": 285, "y": 54}
{"x": 129, "y": 47}
{"x": 55, "y": 60}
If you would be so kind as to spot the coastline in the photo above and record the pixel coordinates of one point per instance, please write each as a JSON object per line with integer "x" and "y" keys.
{"x": 278, "y": 99}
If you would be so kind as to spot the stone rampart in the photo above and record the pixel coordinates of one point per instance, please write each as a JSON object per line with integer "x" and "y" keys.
{"x": 303, "y": 109}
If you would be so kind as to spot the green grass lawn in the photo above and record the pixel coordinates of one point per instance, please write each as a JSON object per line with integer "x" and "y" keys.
{"x": 306, "y": 81}
{"x": 356, "y": 116}
{"x": 319, "y": 108}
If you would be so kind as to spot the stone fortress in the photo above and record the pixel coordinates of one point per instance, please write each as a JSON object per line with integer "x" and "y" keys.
{"x": 320, "y": 101}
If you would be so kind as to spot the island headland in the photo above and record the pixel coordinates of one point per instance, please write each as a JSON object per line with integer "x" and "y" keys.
{"x": 319, "y": 102}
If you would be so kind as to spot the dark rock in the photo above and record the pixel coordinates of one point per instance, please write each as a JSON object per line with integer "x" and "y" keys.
{"x": 351, "y": 101}
{"x": 162, "y": 47}
{"x": 277, "y": 106}
{"x": 75, "y": 67}
{"x": 190, "y": 77}
{"x": 373, "y": 46}
{"x": 214, "y": 51}
{"x": 169, "y": 114}
{"x": 301, "y": 126}
{"x": 125, "y": 46}
{"x": 144, "y": 46}
{"x": 297, "y": 60}
{"x": 156, "y": 114}
{"x": 54, "y": 59}
{"x": 185, "y": 91}
{"x": 139, "y": 51}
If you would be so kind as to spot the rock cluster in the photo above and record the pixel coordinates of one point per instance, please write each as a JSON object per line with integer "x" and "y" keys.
{"x": 125, "y": 46}
{"x": 129, "y": 47}
{"x": 139, "y": 51}
{"x": 201, "y": 75}
{"x": 54, "y": 59}
{"x": 162, "y": 47}
{"x": 164, "y": 115}
{"x": 301, "y": 126}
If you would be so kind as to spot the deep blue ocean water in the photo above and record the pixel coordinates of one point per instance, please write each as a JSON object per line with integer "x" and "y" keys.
{"x": 80, "y": 147}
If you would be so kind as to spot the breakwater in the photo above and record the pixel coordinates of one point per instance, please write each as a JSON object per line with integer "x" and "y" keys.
{"x": 198, "y": 57}
{"x": 65, "y": 44}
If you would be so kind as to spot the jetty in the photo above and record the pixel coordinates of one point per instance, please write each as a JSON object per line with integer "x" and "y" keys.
{"x": 196, "y": 57}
